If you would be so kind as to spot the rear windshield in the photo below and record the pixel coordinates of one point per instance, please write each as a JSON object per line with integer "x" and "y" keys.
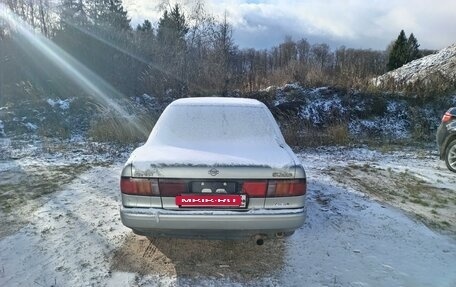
{"x": 206, "y": 124}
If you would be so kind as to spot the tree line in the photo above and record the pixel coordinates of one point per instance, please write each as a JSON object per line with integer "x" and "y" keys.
{"x": 188, "y": 52}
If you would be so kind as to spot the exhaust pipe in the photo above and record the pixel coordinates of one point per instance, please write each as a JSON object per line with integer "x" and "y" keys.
{"x": 259, "y": 240}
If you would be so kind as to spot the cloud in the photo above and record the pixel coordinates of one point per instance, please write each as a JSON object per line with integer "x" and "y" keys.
{"x": 354, "y": 23}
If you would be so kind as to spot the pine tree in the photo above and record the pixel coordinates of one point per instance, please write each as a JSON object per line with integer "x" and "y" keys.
{"x": 145, "y": 27}
{"x": 73, "y": 13}
{"x": 403, "y": 50}
{"x": 114, "y": 15}
{"x": 413, "y": 52}
{"x": 172, "y": 27}
{"x": 169, "y": 69}
{"x": 399, "y": 53}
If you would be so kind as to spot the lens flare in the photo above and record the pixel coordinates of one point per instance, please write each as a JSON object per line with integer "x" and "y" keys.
{"x": 97, "y": 88}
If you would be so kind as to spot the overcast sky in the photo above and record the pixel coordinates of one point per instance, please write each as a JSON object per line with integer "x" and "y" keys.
{"x": 353, "y": 23}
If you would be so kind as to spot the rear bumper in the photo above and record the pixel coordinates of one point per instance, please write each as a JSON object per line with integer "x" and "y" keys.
{"x": 217, "y": 224}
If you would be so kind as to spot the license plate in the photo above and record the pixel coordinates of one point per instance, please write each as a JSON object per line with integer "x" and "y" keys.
{"x": 211, "y": 200}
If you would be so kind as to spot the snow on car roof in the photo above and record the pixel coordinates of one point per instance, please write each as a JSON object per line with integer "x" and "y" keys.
{"x": 218, "y": 101}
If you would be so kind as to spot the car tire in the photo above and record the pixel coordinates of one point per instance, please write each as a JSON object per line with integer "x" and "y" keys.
{"x": 450, "y": 156}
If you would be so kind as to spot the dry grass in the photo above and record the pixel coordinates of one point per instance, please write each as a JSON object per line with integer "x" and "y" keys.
{"x": 123, "y": 130}
{"x": 308, "y": 136}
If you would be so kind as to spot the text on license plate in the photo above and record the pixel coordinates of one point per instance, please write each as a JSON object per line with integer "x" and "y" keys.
{"x": 211, "y": 200}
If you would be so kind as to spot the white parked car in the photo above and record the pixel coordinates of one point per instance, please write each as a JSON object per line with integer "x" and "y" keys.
{"x": 214, "y": 168}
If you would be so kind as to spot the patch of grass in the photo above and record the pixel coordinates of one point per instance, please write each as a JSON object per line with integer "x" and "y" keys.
{"x": 54, "y": 125}
{"x": 386, "y": 148}
{"x": 122, "y": 130}
{"x": 432, "y": 223}
{"x": 440, "y": 200}
{"x": 393, "y": 192}
{"x": 338, "y": 134}
{"x": 306, "y": 135}
{"x": 419, "y": 201}
{"x": 365, "y": 168}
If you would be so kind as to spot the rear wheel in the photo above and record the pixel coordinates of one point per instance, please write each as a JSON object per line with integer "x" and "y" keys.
{"x": 450, "y": 156}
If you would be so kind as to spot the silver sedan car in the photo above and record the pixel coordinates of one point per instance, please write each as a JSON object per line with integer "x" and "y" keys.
{"x": 215, "y": 168}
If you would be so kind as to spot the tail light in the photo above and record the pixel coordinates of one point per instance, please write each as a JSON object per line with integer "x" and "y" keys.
{"x": 172, "y": 187}
{"x": 284, "y": 188}
{"x": 139, "y": 186}
{"x": 447, "y": 117}
{"x": 255, "y": 188}
{"x": 275, "y": 188}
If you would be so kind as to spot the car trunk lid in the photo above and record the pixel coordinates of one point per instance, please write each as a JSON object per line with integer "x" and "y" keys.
{"x": 259, "y": 162}
{"x": 222, "y": 173}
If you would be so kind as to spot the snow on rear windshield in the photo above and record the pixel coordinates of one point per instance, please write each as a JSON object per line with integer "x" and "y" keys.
{"x": 214, "y": 123}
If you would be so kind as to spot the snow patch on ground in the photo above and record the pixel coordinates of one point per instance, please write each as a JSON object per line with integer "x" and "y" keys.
{"x": 30, "y": 126}
{"x": 2, "y": 129}
{"x": 454, "y": 100}
{"x": 318, "y": 110}
{"x": 380, "y": 126}
{"x": 269, "y": 89}
{"x": 146, "y": 103}
{"x": 61, "y": 104}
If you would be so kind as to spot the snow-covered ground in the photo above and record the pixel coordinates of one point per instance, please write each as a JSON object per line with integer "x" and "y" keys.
{"x": 76, "y": 239}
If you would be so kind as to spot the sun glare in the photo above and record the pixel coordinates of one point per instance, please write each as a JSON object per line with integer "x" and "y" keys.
{"x": 97, "y": 88}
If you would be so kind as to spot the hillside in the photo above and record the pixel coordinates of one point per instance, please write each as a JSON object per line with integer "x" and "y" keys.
{"x": 308, "y": 116}
{"x": 433, "y": 73}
